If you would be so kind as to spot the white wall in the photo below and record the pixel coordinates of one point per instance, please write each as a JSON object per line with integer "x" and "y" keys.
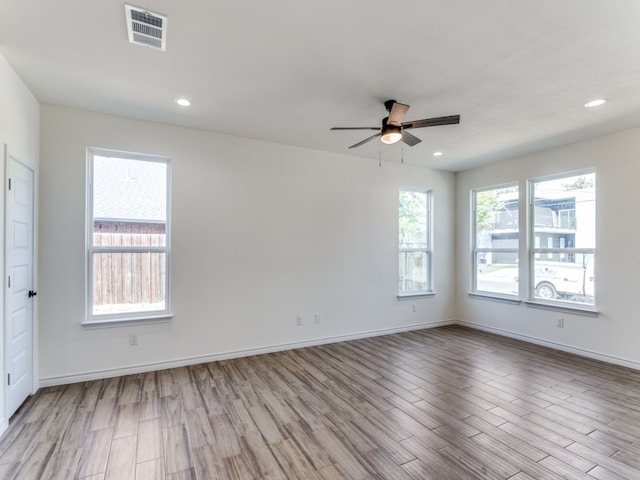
{"x": 19, "y": 124}
{"x": 614, "y": 334}
{"x": 261, "y": 233}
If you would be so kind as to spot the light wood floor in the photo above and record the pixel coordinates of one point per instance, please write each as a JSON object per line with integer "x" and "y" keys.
{"x": 446, "y": 403}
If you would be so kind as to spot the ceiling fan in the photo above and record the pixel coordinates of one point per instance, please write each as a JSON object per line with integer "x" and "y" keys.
{"x": 394, "y": 129}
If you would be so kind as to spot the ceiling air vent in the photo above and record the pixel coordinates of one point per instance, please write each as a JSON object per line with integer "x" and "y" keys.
{"x": 146, "y": 28}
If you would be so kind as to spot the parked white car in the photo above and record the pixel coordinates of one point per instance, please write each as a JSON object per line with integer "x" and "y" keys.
{"x": 562, "y": 280}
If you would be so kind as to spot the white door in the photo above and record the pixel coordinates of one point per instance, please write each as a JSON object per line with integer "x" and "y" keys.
{"x": 19, "y": 283}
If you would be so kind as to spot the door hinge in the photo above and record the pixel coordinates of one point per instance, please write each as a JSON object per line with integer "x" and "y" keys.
{"x": 9, "y": 286}
{"x": 8, "y": 379}
{"x": 9, "y": 184}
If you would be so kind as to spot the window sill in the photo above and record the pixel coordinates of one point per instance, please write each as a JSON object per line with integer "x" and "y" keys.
{"x": 495, "y": 297}
{"x": 418, "y": 293}
{"x": 578, "y": 310}
{"x": 124, "y": 321}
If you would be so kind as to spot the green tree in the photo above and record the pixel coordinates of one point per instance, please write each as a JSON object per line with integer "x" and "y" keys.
{"x": 412, "y": 208}
{"x": 488, "y": 203}
{"x": 585, "y": 181}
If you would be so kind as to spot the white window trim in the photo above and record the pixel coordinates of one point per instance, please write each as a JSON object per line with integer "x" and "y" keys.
{"x": 428, "y": 250}
{"x": 532, "y": 300}
{"x": 475, "y": 249}
{"x": 90, "y": 249}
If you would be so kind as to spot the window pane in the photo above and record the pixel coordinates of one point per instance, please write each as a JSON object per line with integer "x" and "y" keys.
{"x": 129, "y": 189}
{"x": 413, "y": 271}
{"x": 569, "y": 278}
{"x": 128, "y": 282}
{"x": 128, "y": 234}
{"x": 497, "y": 218}
{"x": 565, "y": 212}
{"x": 497, "y": 272}
{"x": 412, "y": 217}
{"x": 496, "y": 228}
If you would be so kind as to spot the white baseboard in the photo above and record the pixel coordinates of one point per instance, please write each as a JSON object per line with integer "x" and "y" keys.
{"x": 557, "y": 346}
{"x": 149, "y": 367}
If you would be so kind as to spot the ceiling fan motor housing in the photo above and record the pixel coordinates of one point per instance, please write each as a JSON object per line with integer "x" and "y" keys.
{"x": 390, "y": 134}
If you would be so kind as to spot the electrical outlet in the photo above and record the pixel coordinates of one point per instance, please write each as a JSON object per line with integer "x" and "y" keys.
{"x": 415, "y": 308}
{"x": 317, "y": 319}
{"x": 133, "y": 339}
{"x": 299, "y": 320}
{"x": 560, "y": 322}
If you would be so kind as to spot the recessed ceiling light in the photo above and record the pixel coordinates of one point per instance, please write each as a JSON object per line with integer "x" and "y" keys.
{"x": 437, "y": 154}
{"x": 183, "y": 102}
{"x": 595, "y": 103}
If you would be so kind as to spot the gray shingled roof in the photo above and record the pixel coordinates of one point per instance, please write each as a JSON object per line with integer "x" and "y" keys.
{"x": 129, "y": 189}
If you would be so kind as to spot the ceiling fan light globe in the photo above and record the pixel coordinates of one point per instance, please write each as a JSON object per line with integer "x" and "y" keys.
{"x": 391, "y": 137}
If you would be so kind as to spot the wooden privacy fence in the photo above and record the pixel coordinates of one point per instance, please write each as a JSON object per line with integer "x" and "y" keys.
{"x": 129, "y": 278}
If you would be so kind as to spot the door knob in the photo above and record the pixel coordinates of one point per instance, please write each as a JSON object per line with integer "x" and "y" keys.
{"x": 32, "y": 293}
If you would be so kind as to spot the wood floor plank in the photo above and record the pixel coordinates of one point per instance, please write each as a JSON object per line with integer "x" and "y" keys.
{"x": 261, "y": 456}
{"x": 224, "y": 435}
{"x": 610, "y": 463}
{"x": 208, "y": 464}
{"x": 62, "y": 465}
{"x": 385, "y": 466}
{"x": 473, "y": 457}
{"x": 430, "y": 463}
{"x": 602, "y": 473}
{"x": 303, "y": 436}
{"x": 448, "y": 403}
{"x": 104, "y": 415}
{"x": 237, "y": 468}
{"x": 38, "y": 460}
{"x": 524, "y": 463}
{"x": 469, "y": 463}
{"x": 293, "y": 461}
{"x": 331, "y": 472}
{"x": 150, "y": 441}
{"x": 341, "y": 454}
{"x": 122, "y": 459}
{"x": 380, "y": 438}
{"x": 126, "y": 423}
{"x": 176, "y": 449}
{"x": 131, "y": 390}
{"x": 76, "y": 432}
{"x": 199, "y": 429}
{"x": 150, "y": 470}
{"x": 558, "y": 452}
{"x": 568, "y": 471}
{"x": 530, "y": 450}
{"x": 96, "y": 453}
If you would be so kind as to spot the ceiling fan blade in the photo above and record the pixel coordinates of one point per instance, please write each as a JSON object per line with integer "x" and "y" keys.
{"x": 397, "y": 113}
{"x": 365, "y": 140}
{"x": 410, "y": 139}
{"x": 432, "y": 122}
{"x": 355, "y": 128}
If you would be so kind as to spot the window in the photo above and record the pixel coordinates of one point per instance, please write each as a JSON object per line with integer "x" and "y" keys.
{"x": 563, "y": 212}
{"x": 128, "y": 236}
{"x": 495, "y": 240}
{"x": 414, "y": 242}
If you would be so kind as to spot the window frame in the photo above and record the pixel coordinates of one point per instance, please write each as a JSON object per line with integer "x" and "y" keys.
{"x": 427, "y": 249}
{"x": 533, "y": 250}
{"x": 475, "y": 249}
{"x": 90, "y": 249}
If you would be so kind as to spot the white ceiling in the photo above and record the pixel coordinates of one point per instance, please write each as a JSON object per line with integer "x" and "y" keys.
{"x": 517, "y": 71}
